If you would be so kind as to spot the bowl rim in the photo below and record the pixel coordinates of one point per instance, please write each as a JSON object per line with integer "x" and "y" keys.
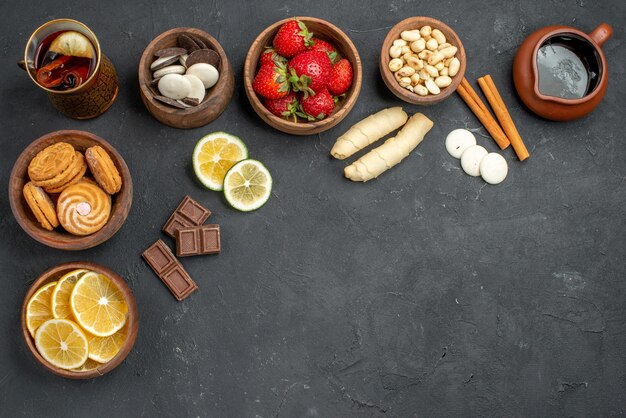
{"x": 133, "y": 316}
{"x": 312, "y": 127}
{"x": 119, "y": 212}
{"x": 225, "y": 69}
{"x": 391, "y": 82}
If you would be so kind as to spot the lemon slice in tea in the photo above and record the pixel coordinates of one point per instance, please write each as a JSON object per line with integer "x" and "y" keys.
{"x": 214, "y": 155}
{"x": 38, "y": 309}
{"x": 62, "y": 343}
{"x": 60, "y": 300}
{"x": 72, "y": 43}
{"x": 98, "y": 305}
{"x": 247, "y": 185}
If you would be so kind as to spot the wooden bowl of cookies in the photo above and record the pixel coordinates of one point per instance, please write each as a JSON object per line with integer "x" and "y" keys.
{"x": 70, "y": 190}
{"x": 343, "y": 46}
{"x": 434, "y": 85}
{"x": 51, "y": 294}
{"x": 161, "y": 99}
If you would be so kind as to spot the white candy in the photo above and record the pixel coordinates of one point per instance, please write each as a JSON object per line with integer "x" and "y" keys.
{"x": 171, "y": 69}
{"x": 183, "y": 60}
{"x": 207, "y": 73}
{"x": 160, "y": 61}
{"x": 458, "y": 141}
{"x": 174, "y": 86}
{"x": 471, "y": 158}
{"x": 493, "y": 168}
{"x": 197, "y": 87}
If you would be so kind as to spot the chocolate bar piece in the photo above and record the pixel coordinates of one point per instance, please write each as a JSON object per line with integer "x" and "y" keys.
{"x": 189, "y": 213}
{"x": 198, "y": 240}
{"x": 161, "y": 259}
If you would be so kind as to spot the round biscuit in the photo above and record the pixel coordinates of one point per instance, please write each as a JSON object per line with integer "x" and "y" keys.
{"x": 64, "y": 177}
{"x": 78, "y": 174}
{"x": 51, "y": 161}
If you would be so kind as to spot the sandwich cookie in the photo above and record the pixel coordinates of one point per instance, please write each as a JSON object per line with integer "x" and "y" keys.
{"x": 103, "y": 169}
{"x": 41, "y": 205}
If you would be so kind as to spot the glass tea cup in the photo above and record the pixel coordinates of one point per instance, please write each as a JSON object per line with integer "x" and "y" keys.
{"x": 91, "y": 97}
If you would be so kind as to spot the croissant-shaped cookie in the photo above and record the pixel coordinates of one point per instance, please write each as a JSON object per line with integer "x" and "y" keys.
{"x": 83, "y": 208}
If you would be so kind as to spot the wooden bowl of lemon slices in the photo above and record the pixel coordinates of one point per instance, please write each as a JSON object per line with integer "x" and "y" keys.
{"x": 63, "y": 332}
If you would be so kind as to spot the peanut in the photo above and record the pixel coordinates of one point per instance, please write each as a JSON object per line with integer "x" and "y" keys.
{"x": 421, "y": 90}
{"x": 415, "y": 79}
{"x": 439, "y": 66}
{"x": 418, "y": 46}
{"x": 443, "y": 71}
{"x": 415, "y": 63}
{"x": 432, "y": 71}
{"x": 406, "y": 71}
{"x": 410, "y": 35}
{"x": 449, "y": 51}
{"x": 405, "y": 81}
{"x": 425, "y": 30}
{"x": 405, "y": 49}
{"x": 432, "y": 44}
{"x": 435, "y": 58}
{"x": 400, "y": 42}
{"x": 425, "y": 54}
{"x": 454, "y": 67}
{"x": 438, "y": 35}
{"x": 395, "y": 51}
{"x": 432, "y": 87}
{"x": 443, "y": 81}
{"x": 395, "y": 64}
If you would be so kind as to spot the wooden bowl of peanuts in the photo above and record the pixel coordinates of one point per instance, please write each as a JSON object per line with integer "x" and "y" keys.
{"x": 422, "y": 60}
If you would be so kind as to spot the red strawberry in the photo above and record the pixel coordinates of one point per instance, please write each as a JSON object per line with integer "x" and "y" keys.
{"x": 271, "y": 81}
{"x": 285, "y": 107}
{"x": 321, "y": 45}
{"x": 340, "y": 77}
{"x": 318, "y": 106}
{"x": 309, "y": 71}
{"x": 292, "y": 38}
{"x": 269, "y": 56}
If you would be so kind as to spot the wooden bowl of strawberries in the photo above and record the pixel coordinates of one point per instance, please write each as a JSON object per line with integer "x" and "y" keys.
{"x": 302, "y": 75}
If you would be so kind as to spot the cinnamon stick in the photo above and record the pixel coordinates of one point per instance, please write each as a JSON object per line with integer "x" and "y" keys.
{"x": 473, "y": 95}
{"x": 483, "y": 115}
{"x": 499, "y": 108}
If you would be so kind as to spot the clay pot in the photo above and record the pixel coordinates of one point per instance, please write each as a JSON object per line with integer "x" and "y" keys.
{"x": 526, "y": 79}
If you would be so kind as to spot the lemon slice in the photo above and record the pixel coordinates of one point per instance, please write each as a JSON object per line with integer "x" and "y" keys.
{"x": 88, "y": 365}
{"x": 98, "y": 305}
{"x": 62, "y": 343}
{"x": 247, "y": 185}
{"x": 72, "y": 43}
{"x": 214, "y": 155}
{"x": 60, "y": 299}
{"x": 103, "y": 349}
{"x": 38, "y": 309}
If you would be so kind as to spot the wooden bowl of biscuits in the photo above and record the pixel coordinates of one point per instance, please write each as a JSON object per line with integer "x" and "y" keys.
{"x": 185, "y": 78}
{"x": 58, "y": 304}
{"x": 70, "y": 190}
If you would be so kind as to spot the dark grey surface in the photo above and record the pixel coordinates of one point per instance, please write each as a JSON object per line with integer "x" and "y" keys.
{"x": 423, "y": 293}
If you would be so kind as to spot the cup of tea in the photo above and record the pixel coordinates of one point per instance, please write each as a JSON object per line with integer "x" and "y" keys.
{"x": 63, "y": 57}
{"x": 560, "y": 72}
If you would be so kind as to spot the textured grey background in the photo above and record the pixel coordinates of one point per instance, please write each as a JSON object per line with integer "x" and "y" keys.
{"x": 423, "y": 293}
